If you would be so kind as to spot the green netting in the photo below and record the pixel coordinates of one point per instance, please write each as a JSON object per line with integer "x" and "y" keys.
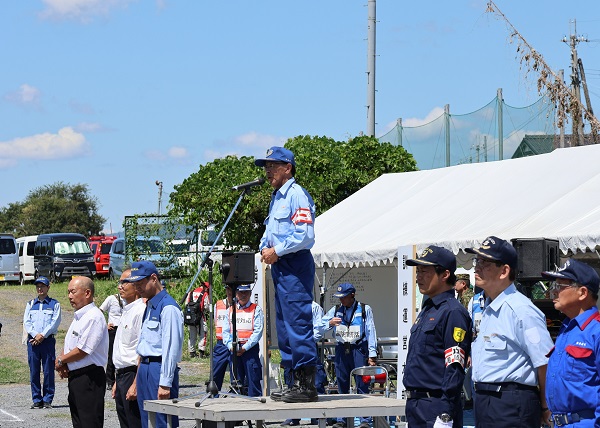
{"x": 473, "y": 137}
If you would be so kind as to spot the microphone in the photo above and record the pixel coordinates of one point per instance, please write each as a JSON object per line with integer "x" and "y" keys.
{"x": 257, "y": 182}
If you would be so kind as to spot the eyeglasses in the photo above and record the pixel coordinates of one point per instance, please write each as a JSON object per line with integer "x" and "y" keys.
{"x": 555, "y": 286}
{"x": 482, "y": 263}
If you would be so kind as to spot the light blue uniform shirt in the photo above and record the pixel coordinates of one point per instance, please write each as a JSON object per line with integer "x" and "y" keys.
{"x": 162, "y": 337}
{"x": 370, "y": 333}
{"x": 513, "y": 340}
{"x": 290, "y": 224}
{"x": 42, "y": 317}
{"x": 318, "y": 327}
{"x": 258, "y": 322}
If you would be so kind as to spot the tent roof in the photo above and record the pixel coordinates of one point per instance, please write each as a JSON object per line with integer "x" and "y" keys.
{"x": 553, "y": 196}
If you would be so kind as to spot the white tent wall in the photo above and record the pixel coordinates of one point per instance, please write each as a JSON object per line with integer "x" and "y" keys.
{"x": 554, "y": 196}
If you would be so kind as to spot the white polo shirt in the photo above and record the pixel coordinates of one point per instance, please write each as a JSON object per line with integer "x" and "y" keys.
{"x": 128, "y": 335}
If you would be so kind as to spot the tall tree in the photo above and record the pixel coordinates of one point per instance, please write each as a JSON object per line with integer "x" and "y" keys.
{"x": 57, "y": 207}
{"x": 330, "y": 170}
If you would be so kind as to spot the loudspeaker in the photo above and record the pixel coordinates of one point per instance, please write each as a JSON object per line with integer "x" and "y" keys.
{"x": 535, "y": 255}
{"x": 238, "y": 268}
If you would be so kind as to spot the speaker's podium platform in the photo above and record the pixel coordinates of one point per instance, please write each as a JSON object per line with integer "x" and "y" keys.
{"x": 223, "y": 411}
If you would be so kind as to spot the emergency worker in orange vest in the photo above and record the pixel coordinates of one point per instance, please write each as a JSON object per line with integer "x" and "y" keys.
{"x": 249, "y": 329}
{"x": 221, "y": 355}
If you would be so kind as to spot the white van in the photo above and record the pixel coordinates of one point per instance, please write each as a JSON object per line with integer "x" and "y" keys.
{"x": 26, "y": 246}
{"x": 9, "y": 258}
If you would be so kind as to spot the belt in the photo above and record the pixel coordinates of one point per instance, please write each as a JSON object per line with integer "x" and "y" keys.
{"x": 77, "y": 372}
{"x": 561, "y": 419}
{"x": 416, "y": 393}
{"x": 146, "y": 360}
{"x": 503, "y": 386}
{"x": 124, "y": 370}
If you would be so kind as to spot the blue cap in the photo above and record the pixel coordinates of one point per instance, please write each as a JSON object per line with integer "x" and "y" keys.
{"x": 141, "y": 270}
{"x": 344, "y": 289}
{"x": 435, "y": 256}
{"x": 578, "y": 272}
{"x": 245, "y": 287}
{"x": 277, "y": 154}
{"x": 42, "y": 280}
{"x": 497, "y": 249}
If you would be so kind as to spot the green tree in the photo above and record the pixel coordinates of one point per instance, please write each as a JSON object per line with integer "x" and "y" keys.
{"x": 330, "y": 170}
{"x": 57, "y": 207}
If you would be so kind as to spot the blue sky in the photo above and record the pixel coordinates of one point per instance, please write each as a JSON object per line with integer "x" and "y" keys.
{"x": 118, "y": 94}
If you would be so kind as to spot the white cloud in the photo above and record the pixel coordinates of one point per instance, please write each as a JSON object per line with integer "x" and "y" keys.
{"x": 89, "y": 127}
{"x": 431, "y": 116}
{"x": 80, "y": 10}
{"x": 26, "y": 96}
{"x": 66, "y": 143}
{"x": 249, "y": 144}
{"x": 178, "y": 152}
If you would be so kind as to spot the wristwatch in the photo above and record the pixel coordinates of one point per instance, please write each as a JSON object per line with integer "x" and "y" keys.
{"x": 445, "y": 417}
{"x": 59, "y": 361}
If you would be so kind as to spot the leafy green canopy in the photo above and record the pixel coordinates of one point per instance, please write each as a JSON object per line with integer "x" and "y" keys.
{"x": 330, "y": 170}
{"x": 57, "y": 207}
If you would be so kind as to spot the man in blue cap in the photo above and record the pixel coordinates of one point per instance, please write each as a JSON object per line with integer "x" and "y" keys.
{"x": 509, "y": 353}
{"x": 573, "y": 376}
{"x": 160, "y": 342}
{"x": 285, "y": 245}
{"x": 354, "y": 332}
{"x": 41, "y": 321}
{"x": 249, "y": 322}
{"x": 439, "y": 345}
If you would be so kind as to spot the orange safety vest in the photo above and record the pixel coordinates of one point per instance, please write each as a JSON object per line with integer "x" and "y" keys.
{"x": 220, "y": 318}
{"x": 244, "y": 322}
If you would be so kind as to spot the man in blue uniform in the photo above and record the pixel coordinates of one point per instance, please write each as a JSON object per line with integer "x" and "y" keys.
{"x": 439, "y": 345}
{"x": 285, "y": 245}
{"x": 354, "y": 331}
{"x": 41, "y": 321}
{"x": 249, "y": 329}
{"x": 160, "y": 342}
{"x": 573, "y": 376}
{"x": 509, "y": 353}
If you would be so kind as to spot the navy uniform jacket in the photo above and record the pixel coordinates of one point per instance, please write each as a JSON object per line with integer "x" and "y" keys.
{"x": 440, "y": 343}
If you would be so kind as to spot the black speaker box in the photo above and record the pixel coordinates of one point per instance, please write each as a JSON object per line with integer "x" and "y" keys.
{"x": 238, "y": 268}
{"x": 535, "y": 255}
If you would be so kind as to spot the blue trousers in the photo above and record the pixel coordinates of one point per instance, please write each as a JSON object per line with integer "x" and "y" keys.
{"x": 249, "y": 371}
{"x": 293, "y": 276}
{"x": 148, "y": 378}
{"x": 42, "y": 355}
{"x": 507, "y": 409}
{"x": 345, "y": 363}
{"x": 221, "y": 360}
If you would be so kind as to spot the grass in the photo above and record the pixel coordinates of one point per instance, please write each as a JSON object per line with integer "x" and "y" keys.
{"x": 13, "y": 371}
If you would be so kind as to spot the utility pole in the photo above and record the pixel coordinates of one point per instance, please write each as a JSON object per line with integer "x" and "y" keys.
{"x": 573, "y": 41}
{"x": 160, "y": 186}
{"x": 371, "y": 69}
{"x": 588, "y": 102}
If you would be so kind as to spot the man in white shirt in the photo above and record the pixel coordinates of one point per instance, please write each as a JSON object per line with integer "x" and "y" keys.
{"x": 124, "y": 355}
{"x": 113, "y": 306}
{"x": 85, "y": 355}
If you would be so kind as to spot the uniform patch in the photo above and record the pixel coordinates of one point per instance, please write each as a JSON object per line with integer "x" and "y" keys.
{"x": 454, "y": 355}
{"x": 459, "y": 334}
{"x": 302, "y": 215}
{"x": 533, "y": 335}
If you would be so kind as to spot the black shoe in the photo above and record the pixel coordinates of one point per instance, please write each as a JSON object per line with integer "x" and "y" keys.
{"x": 193, "y": 355}
{"x": 339, "y": 425}
{"x": 37, "y": 405}
{"x": 304, "y": 391}
{"x": 47, "y": 405}
{"x": 109, "y": 386}
{"x": 276, "y": 395}
{"x": 290, "y": 423}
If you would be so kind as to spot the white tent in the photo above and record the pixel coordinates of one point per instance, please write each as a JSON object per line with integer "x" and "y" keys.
{"x": 554, "y": 196}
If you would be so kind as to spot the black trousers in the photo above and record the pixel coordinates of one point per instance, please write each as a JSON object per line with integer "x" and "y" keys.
{"x": 127, "y": 410}
{"x": 110, "y": 367}
{"x": 86, "y": 396}
{"x": 519, "y": 408}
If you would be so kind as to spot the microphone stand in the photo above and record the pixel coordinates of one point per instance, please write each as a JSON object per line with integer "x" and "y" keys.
{"x": 211, "y": 387}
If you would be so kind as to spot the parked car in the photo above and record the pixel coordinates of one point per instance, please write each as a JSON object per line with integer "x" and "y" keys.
{"x": 150, "y": 248}
{"x": 60, "y": 256}
{"x": 100, "y": 246}
{"x": 26, "y": 246}
{"x": 9, "y": 258}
